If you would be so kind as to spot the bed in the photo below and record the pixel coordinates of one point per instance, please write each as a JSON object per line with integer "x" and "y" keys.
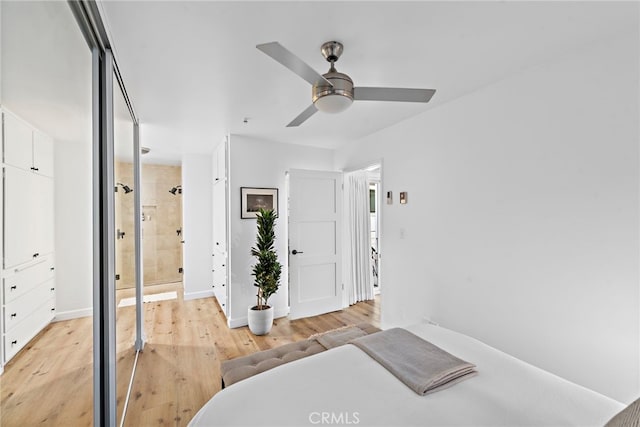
{"x": 344, "y": 386}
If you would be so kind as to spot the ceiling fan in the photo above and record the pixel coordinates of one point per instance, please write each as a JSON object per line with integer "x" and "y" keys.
{"x": 333, "y": 91}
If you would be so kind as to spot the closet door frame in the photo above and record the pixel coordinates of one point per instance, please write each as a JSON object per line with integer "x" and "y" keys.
{"x": 104, "y": 71}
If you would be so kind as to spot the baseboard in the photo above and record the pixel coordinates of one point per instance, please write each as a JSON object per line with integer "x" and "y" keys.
{"x": 239, "y": 322}
{"x": 283, "y": 312}
{"x": 73, "y": 314}
{"x": 197, "y": 295}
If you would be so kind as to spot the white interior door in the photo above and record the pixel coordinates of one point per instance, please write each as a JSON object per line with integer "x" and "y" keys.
{"x": 315, "y": 258}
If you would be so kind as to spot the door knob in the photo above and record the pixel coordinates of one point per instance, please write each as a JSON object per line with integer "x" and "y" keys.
{"x": 295, "y": 252}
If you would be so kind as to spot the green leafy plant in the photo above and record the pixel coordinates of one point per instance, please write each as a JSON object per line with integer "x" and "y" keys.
{"x": 267, "y": 269}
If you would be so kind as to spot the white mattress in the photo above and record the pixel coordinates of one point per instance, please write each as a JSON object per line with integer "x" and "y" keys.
{"x": 346, "y": 386}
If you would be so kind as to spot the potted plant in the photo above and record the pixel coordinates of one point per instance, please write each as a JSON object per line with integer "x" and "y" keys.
{"x": 266, "y": 272}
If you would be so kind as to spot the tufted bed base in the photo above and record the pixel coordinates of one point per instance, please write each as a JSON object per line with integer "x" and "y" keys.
{"x": 237, "y": 369}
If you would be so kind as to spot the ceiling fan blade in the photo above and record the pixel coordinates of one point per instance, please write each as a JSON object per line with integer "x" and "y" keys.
{"x": 310, "y": 111}
{"x": 278, "y": 52}
{"x": 392, "y": 94}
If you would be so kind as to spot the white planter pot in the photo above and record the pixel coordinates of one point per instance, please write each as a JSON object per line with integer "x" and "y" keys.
{"x": 260, "y": 321}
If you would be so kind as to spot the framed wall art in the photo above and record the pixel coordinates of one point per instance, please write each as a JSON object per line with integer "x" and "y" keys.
{"x": 252, "y": 199}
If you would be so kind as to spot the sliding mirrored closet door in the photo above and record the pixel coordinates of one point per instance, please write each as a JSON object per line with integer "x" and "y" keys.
{"x": 66, "y": 120}
{"x": 47, "y": 267}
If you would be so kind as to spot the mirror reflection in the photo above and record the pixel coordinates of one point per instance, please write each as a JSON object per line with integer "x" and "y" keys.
{"x": 47, "y": 268}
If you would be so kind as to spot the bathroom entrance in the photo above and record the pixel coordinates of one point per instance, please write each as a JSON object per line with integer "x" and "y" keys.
{"x": 161, "y": 224}
{"x": 161, "y": 199}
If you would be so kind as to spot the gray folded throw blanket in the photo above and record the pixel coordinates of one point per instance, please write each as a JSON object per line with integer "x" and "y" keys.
{"x": 339, "y": 337}
{"x": 342, "y": 336}
{"x": 422, "y": 366}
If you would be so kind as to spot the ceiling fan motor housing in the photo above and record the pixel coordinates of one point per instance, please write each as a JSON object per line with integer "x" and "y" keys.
{"x": 342, "y": 86}
{"x": 336, "y": 98}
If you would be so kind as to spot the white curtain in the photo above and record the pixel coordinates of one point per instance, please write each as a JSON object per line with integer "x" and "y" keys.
{"x": 358, "y": 232}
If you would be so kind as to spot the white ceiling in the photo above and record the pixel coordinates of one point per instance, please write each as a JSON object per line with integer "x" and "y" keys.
{"x": 193, "y": 72}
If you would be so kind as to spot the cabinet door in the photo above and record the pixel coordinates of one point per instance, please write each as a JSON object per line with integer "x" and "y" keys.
{"x": 219, "y": 217}
{"x": 42, "y": 216}
{"x": 42, "y": 154}
{"x": 214, "y": 166}
{"x": 20, "y": 211}
{"x": 18, "y": 139}
{"x": 222, "y": 161}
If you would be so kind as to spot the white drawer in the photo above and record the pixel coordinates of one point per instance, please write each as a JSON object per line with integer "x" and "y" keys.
{"x": 16, "y": 311}
{"x": 26, "y": 279}
{"x": 223, "y": 306}
{"x": 221, "y": 296}
{"x": 19, "y": 336}
{"x": 219, "y": 282}
{"x": 220, "y": 265}
{"x": 220, "y": 292}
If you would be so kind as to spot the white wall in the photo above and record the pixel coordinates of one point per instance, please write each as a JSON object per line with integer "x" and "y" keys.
{"x": 522, "y": 222}
{"x": 73, "y": 229}
{"x": 257, "y": 163}
{"x": 197, "y": 230}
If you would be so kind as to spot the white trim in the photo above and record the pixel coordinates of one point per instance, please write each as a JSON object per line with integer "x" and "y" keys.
{"x": 238, "y": 322}
{"x": 73, "y": 314}
{"x": 197, "y": 295}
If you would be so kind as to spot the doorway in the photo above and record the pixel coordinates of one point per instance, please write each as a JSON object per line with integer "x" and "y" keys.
{"x": 375, "y": 217}
{"x": 161, "y": 199}
{"x": 362, "y": 190}
{"x": 161, "y": 223}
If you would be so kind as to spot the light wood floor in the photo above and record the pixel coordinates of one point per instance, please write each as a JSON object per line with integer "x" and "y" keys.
{"x": 50, "y": 382}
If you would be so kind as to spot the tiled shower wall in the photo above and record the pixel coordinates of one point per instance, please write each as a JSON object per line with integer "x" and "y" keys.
{"x": 161, "y": 225}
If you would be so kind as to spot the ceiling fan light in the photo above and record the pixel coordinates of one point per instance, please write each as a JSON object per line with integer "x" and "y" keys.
{"x": 333, "y": 103}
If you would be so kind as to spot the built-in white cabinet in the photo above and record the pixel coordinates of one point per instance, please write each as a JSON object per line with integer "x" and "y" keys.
{"x": 25, "y": 147}
{"x": 27, "y": 294}
{"x": 18, "y": 142}
{"x": 42, "y": 154}
{"x": 28, "y": 216}
{"x": 220, "y": 163}
{"x": 220, "y": 255}
{"x": 29, "y": 303}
